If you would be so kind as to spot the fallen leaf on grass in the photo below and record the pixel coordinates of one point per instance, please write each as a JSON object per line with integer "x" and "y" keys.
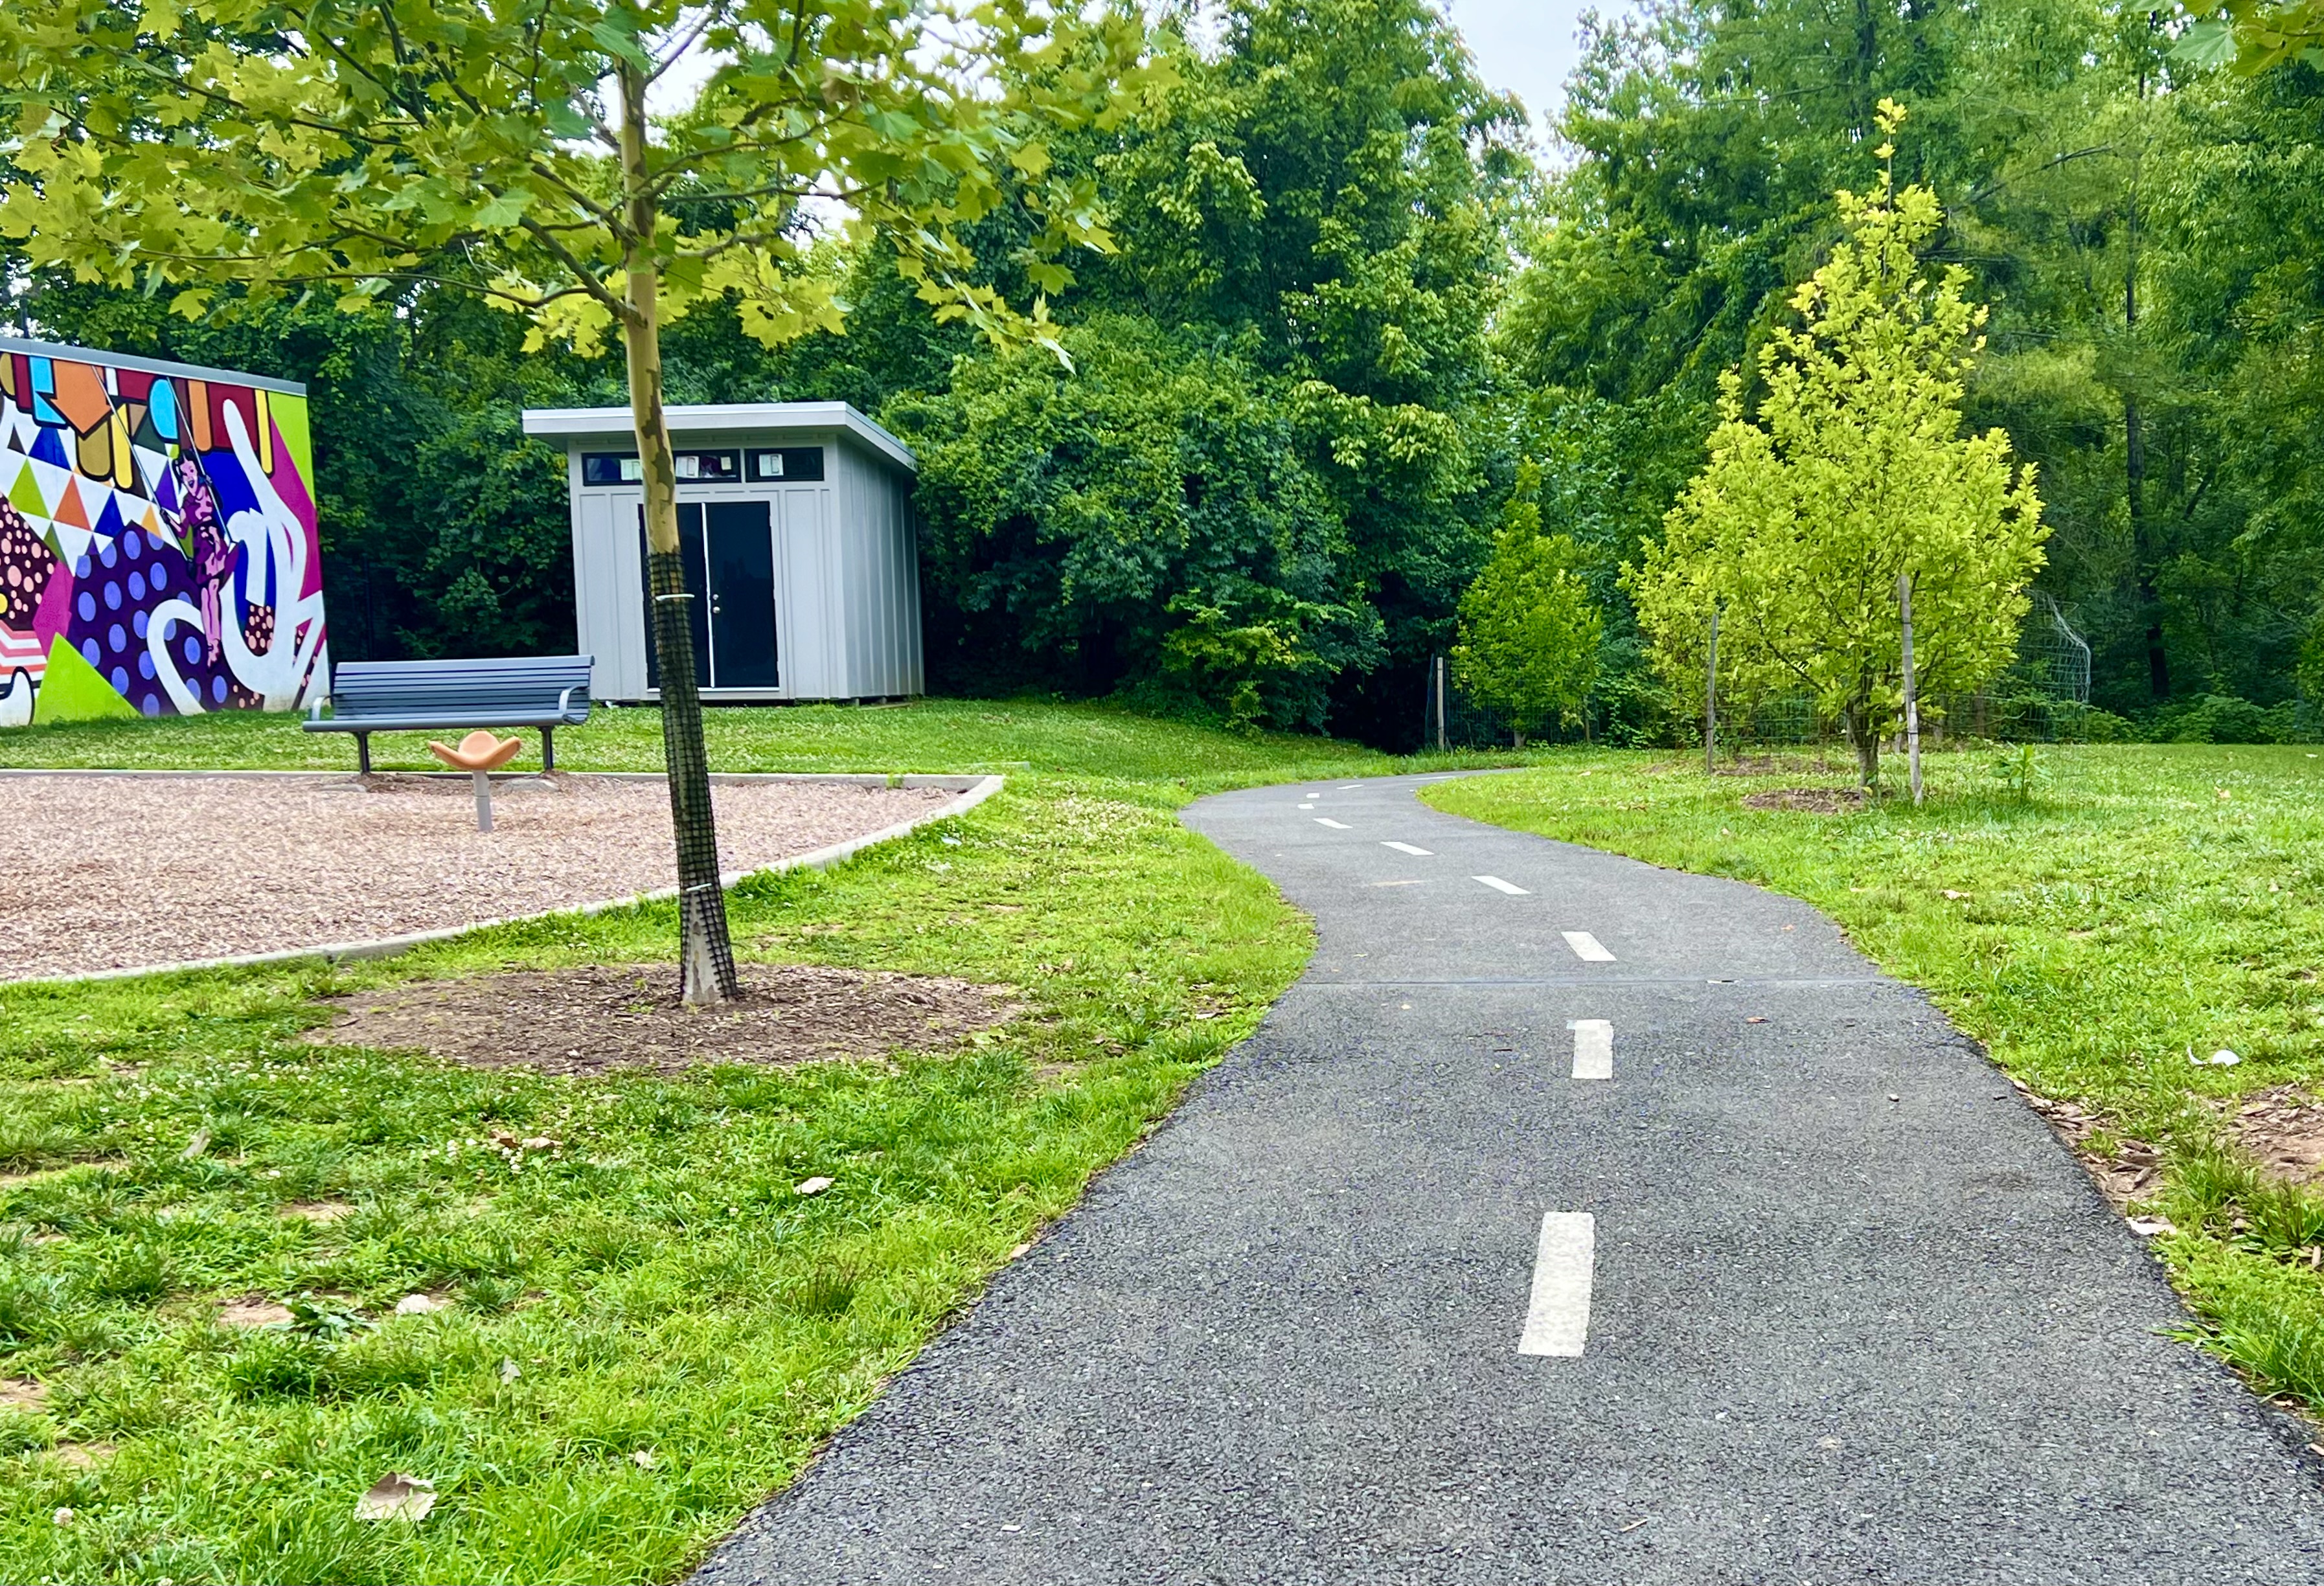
{"x": 509, "y": 1371}
{"x": 2152, "y": 1227}
{"x": 813, "y": 1186}
{"x": 397, "y": 1497}
{"x": 419, "y": 1305}
{"x": 196, "y": 1146}
{"x": 643, "y": 1459}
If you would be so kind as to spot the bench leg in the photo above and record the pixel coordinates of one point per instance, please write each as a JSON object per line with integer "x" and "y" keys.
{"x": 362, "y": 754}
{"x": 549, "y": 749}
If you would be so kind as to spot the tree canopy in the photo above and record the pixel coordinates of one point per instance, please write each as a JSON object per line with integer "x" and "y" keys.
{"x": 1314, "y": 216}
{"x": 1849, "y": 475}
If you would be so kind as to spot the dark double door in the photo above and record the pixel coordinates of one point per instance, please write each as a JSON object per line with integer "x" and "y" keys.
{"x": 728, "y": 548}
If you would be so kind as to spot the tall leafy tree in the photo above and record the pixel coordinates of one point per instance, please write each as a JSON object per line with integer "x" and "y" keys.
{"x": 1851, "y": 475}
{"x": 1152, "y": 520}
{"x": 510, "y": 151}
{"x": 1530, "y": 630}
{"x": 1328, "y": 191}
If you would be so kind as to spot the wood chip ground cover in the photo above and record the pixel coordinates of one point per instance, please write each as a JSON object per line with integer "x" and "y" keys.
{"x": 592, "y": 1018}
{"x": 325, "y": 860}
{"x": 648, "y": 1279}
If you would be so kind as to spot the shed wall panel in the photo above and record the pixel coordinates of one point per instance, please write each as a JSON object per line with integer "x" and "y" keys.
{"x": 845, "y": 563}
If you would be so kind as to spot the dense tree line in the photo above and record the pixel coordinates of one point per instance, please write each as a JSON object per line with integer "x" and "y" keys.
{"x": 2142, "y": 230}
{"x": 1350, "y": 317}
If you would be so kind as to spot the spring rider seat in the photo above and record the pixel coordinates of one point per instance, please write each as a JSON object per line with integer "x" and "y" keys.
{"x": 479, "y": 754}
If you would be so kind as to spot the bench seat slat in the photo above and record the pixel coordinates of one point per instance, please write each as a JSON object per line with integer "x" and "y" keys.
{"x": 498, "y": 691}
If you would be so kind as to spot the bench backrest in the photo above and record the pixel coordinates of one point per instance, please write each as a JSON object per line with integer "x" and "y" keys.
{"x": 523, "y": 686}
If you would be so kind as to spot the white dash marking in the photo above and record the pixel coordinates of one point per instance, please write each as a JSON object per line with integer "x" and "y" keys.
{"x": 1557, "y": 1317}
{"x": 1352, "y": 787}
{"x": 1408, "y": 848}
{"x": 1307, "y": 807}
{"x": 1498, "y": 885}
{"x": 1326, "y": 820}
{"x": 1593, "y": 1048}
{"x": 1587, "y": 947}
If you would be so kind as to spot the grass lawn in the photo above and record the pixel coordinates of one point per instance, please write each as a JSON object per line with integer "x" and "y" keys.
{"x": 2145, "y": 905}
{"x": 649, "y": 1329}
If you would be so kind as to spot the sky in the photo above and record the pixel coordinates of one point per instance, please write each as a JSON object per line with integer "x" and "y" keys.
{"x": 1525, "y": 47}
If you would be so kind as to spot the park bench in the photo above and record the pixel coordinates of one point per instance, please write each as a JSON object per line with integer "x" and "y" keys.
{"x": 548, "y": 692}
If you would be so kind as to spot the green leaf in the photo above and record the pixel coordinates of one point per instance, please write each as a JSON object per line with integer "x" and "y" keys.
{"x": 504, "y": 209}
{"x": 2209, "y": 44}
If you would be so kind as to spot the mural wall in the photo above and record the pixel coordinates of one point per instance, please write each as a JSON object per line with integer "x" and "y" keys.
{"x": 158, "y": 553}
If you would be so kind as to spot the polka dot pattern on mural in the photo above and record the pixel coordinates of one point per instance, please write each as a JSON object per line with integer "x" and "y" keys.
{"x": 27, "y": 565}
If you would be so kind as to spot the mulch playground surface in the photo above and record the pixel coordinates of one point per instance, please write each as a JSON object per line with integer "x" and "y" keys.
{"x": 115, "y": 872}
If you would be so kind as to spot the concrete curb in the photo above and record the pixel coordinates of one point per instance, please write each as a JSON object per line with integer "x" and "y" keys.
{"x": 968, "y": 793}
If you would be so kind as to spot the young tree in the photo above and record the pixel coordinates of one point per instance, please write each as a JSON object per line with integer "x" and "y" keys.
{"x": 1853, "y": 473}
{"x": 1529, "y": 630}
{"x": 372, "y": 147}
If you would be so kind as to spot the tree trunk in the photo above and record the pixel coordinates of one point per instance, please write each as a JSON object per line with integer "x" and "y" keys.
{"x": 1711, "y": 703}
{"x": 2144, "y": 555}
{"x": 1912, "y": 694}
{"x": 706, "y": 953}
{"x": 1857, "y": 720}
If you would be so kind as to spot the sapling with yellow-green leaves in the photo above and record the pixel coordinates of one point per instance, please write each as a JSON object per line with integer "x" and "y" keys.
{"x": 519, "y": 151}
{"x": 1847, "y": 481}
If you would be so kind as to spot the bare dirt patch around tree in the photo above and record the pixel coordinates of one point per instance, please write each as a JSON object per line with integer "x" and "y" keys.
{"x": 1808, "y": 800}
{"x": 118, "y": 873}
{"x": 599, "y": 1017}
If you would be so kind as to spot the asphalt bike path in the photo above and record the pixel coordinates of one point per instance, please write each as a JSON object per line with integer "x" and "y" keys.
{"x": 1570, "y": 1220}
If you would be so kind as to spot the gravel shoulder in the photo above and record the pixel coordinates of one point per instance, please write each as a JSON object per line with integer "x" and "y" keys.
{"x": 122, "y": 872}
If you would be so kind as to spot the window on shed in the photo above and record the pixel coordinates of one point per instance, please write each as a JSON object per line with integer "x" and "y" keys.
{"x": 785, "y": 463}
{"x": 611, "y": 469}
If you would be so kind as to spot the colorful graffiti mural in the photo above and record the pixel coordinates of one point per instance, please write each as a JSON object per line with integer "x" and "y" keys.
{"x": 158, "y": 553}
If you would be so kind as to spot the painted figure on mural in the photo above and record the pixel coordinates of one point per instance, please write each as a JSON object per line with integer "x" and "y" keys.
{"x": 205, "y": 547}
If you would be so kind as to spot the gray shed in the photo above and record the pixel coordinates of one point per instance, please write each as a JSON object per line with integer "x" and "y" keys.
{"x": 795, "y": 521}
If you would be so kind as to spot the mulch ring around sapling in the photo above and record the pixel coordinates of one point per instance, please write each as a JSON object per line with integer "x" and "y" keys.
{"x": 600, "y": 1016}
{"x": 1809, "y": 800}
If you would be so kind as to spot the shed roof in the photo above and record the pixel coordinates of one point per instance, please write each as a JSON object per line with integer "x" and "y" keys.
{"x": 698, "y": 418}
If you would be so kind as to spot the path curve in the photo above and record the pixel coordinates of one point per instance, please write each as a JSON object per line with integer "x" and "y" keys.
{"x": 1846, "y": 1311}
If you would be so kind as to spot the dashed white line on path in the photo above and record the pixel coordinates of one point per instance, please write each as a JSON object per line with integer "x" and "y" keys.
{"x": 1498, "y": 885}
{"x": 1587, "y": 947}
{"x": 1307, "y": 807}
{"x": 1326, "y": 820}
{"x": 1593, "y": 1048}
{"x": 1557, "y": 1318}
{"x": 1407, "y": 848}
{"x": 1352, "y": 787}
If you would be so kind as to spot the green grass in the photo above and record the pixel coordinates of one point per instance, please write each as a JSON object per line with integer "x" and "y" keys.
{"x": 2144, "y": 904}
{"x": 657, "y": 1283}
{"x": 926, "y": 735}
